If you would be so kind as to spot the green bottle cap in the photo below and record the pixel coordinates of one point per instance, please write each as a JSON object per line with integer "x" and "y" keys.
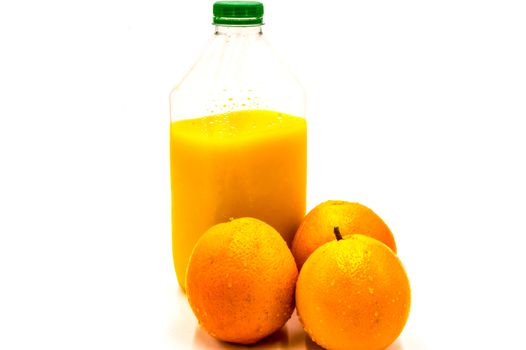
{"x": 238, "y": 13}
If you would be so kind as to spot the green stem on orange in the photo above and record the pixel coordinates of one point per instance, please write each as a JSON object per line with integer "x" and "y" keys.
{"x": 337, "y": 233}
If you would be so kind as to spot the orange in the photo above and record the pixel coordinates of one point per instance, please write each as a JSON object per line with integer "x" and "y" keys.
{"x": 353, "y": 294}
{"x": 240, "y": 281}
{"x": 317, "y": 227}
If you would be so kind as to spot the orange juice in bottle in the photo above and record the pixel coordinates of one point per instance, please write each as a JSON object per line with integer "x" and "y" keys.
{"x": 238, "y": 135}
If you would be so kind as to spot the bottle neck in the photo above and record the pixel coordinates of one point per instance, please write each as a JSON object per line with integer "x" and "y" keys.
{"x": 239, "y": 30}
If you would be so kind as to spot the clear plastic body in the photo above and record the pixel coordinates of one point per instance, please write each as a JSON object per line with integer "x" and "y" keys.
{"x": 238, "y": 70}
{"x": 238, "y": 141}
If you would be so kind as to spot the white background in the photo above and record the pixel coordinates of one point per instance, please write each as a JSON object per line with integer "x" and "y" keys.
{"x": 416, "y": 109}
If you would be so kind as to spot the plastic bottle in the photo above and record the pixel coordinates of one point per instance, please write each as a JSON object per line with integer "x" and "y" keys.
{"x": 238, "y": 135}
